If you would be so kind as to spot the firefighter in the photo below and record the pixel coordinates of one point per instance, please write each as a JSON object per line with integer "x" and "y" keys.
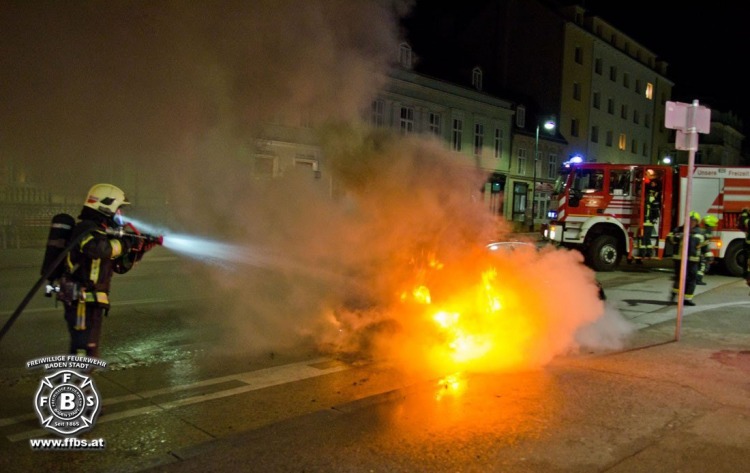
{"x": 708, "y": 226}
{"x": 743, "y": 222}
{"x": 650, "y": 222}
{"x": 91, "y": 264}
{"x": 676, "y": 237}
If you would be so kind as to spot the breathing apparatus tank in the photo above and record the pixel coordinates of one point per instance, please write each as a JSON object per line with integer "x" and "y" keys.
{"x": 60, "y": 231}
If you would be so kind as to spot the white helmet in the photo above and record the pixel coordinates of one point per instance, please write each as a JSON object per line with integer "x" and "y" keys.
{"x": 105, "y": 199}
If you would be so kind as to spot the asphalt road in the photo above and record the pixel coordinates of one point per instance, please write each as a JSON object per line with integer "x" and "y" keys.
{"x": 172, "y": 402}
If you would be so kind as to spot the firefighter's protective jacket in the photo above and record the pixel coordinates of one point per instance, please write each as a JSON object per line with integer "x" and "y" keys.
{"x": 695, "y": 245}
{"x": 93, "y": 262}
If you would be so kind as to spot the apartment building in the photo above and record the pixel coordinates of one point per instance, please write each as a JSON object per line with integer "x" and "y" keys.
{"x": 607, "y": 91}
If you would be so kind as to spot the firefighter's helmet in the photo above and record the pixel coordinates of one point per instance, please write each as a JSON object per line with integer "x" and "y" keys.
{"x": 105, "y": 199}
{"x": 711, "y": 220}
{"x": 695, "y": 216}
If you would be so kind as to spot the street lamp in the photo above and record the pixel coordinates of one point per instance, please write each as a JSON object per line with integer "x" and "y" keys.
{"x": 549, "y": 125}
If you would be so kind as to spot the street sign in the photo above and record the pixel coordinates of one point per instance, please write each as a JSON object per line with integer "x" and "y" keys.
{"x": 685, "y": 117}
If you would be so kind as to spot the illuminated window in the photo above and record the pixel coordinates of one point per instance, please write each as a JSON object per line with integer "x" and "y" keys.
{"x": 623, "y": 143}
{"x": 649, "y": 91}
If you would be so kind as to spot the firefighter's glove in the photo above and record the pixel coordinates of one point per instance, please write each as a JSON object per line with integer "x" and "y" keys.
{"x": 131, "y": 244}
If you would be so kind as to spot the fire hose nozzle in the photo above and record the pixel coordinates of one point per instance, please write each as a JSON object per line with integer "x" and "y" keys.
{"x": 121, "y": 233}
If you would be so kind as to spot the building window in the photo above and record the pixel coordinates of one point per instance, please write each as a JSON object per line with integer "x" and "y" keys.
{"x": 613, "y": 73}
{"x": 622, "y": 144}
{"x": 521, "y": 165}
{"x": 521, "y": 116}
{"x": 579, "y": 55}
{"x": 594, "y": 134}
{"x": 626, "y": 80}
{"x": 574, "y": 126}
{"x": 647, "y": 121}
{"x": 476, "y": 78}
{"x": 650, "y": 91}
{"x": 378, "y": 113}
{"x": 636, "y": 117}
{"x": 520, "y": 190}
{"x": 598, "y": 66}
{"x": 404, "y": 55}
{"x": 637, "y": 86}
{"x": 611, "y": 106}
{"x": 644, "y": 151}
{"x": 435, "y": 124}
{"x": 610, "y": 137}
{"x": 552, "y": 166}
{"x": 633, "y": 146}
{"x": 478, "y": 139}
{"x": 624, "y": 111}
{"x": 498, "y": 143}
{"x": 407, "y": 120}
{"x": 458, "y": 127}
{"x": 597, "y": 100}
{"x": 576, "y": 91}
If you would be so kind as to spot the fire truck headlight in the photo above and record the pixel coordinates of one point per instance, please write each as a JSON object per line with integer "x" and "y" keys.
{"x": 552, "y": 232}
{"x": 552, "y": 214}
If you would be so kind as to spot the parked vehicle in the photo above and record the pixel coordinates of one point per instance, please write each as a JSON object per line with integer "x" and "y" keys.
{"x": 600, "y": 209}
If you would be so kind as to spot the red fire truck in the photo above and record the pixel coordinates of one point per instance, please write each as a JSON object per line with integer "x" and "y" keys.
{"x": 600, "y": 210}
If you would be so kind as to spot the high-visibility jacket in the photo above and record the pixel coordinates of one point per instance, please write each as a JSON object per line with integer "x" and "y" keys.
{"x": 695, "y": 244}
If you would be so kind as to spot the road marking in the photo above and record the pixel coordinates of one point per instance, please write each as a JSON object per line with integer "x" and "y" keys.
{"x": 253, "y": 380}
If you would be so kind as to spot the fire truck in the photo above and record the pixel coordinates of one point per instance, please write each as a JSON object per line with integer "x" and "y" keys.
{"x": 600, "y": 209}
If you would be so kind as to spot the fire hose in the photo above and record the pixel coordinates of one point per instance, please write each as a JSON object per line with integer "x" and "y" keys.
{"x": 52, "y": 267}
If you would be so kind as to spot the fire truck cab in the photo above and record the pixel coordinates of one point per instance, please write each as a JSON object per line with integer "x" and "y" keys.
{"x": 611, "y": 211}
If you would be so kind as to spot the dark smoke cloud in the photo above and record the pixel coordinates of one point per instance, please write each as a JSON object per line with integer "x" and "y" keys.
{"x": 180, "y": 91}
{"x": 92, "y": 90}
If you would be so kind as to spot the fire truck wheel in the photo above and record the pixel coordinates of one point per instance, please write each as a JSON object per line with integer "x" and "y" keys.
{"x": 603, "y": 254}
{"x": 735, "y": 259}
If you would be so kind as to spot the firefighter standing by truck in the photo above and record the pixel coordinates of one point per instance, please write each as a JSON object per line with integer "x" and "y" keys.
{"x": 90, "y": 265}
{"x": 743, "y": 222}
{"x": 650, "y": 221}
{"x": 707, "y": 257}
{"x": 677, "y": 239}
